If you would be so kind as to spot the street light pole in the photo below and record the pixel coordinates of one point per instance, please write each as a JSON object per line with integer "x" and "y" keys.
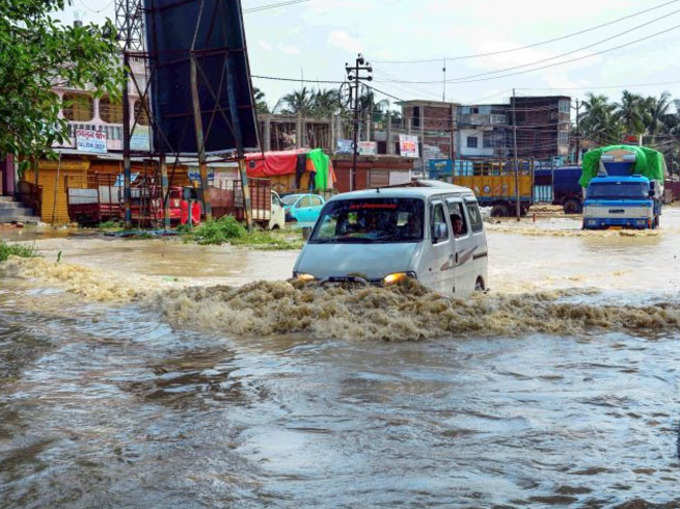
{"x": 355, "y": 78}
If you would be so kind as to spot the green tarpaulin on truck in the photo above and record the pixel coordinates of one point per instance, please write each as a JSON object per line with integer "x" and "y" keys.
{"x": 648, "y": 162}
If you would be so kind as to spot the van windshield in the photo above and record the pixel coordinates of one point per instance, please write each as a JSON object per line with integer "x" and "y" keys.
{"x": 373, "y": 220}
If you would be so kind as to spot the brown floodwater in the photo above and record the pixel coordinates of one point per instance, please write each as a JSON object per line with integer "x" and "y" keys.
{"x": 161, "y": 374}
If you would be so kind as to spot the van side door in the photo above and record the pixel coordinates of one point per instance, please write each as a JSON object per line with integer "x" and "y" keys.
{"x": 480, "y": 257}
{"x": 463, "y": 247}
{"x": 438, "y": 264}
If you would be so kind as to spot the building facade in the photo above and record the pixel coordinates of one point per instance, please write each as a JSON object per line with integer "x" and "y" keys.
{"x": 543, "y": 125}
{"x": 482, "y": 131}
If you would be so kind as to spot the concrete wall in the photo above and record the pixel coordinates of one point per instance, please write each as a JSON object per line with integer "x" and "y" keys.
{"x": 480, "y": 151}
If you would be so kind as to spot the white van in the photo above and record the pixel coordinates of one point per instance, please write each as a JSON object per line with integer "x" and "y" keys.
{"x": 434, "y": 234}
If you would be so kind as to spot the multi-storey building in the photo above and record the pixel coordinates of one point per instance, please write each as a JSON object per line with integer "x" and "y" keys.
{"x": 542, "y": 126}
{"x": 482, "y": 130}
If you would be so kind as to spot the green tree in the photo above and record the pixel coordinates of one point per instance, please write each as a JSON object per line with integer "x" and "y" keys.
{"x": 38, "y": 53}
{"x": 260, "y": 103}
{"x": 299, "y": 101}
{"x": 654, "y": 112}
{"x": 630, "y": 112}
{"x": 599, "y": 122}
{"x": 326, "y": 103}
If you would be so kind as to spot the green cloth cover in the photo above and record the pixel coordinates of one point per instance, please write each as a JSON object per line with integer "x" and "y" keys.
{"x": 648, "y": 163}
{"x": 321, "y": 164}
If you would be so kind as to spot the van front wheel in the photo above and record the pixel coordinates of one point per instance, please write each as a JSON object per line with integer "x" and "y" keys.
{"x": 479, "y": 285}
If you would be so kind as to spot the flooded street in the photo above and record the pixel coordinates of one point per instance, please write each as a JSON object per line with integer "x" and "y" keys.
{"x": 127, "y": 381}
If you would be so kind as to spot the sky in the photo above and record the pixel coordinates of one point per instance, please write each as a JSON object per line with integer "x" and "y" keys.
{"x": 312, "y": 40}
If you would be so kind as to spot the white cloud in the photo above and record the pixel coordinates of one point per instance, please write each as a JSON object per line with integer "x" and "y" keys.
{"x": 341, "y": 39}
{"x": 265, "y": 45}
{"x": 289, "y": 49}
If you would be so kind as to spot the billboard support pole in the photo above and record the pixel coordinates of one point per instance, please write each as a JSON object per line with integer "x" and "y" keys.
{"x": 200, "y": 142}
{"x": 247, "y": 203}
{"x": 518, "y": 211}
{"x": 198, "y": 120}
{"x": 165, "y": 193}
{"x": 126, "y": 143}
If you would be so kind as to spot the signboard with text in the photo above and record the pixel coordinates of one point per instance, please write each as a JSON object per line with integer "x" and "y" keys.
{"x": 194, "y": 174}
{"x": 91, "y": 141}
{"x": 408, "y": 145}
{"x": 139, "y": 140}
{"x": 368, "y": 148}
{"x": 344, "y": 146}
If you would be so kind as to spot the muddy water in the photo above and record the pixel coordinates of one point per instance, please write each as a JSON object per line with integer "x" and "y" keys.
{"x": 166, "y": 397}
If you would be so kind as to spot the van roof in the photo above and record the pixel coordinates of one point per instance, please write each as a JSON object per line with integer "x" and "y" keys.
{"x": 424, "y": 189}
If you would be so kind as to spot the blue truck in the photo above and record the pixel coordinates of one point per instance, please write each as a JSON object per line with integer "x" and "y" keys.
{"x": 623, "y": 186}
{"x": 559, "y": 186}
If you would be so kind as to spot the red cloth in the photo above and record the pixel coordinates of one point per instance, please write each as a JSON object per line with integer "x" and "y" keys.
{"x": 273, "y": 164}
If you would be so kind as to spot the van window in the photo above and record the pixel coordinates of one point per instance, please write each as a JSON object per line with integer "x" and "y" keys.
{"x": 456, "y": 214}
{"x": 476, "y": 222}
{"x": 438, "y": 216}
{"x": 305, "y": 202}
{"x": 314, "y": 201}
{"x": 371, "y": 220}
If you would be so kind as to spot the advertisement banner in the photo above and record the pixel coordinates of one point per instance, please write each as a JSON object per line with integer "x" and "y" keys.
{"x": 368, "y": 148}
{"x": 408, "y": 145}
{"x": 139, "y": 140}
{"x": 439, "y": 167}
{"x": 344, "y": 146}
{"x": 194, "y": 174}
{"x": 91, "y": 141}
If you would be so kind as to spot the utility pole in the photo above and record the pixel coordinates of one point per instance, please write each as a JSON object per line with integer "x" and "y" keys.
{"x": 355, "y": 78}
{"x": 444, "y": 82}
{"x": 578, "y": 131}
{"x": 452, "y": 128}
{"x": 514, "y": 146}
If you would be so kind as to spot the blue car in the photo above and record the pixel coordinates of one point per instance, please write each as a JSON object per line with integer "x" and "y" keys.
{"x": 303, "y": 208}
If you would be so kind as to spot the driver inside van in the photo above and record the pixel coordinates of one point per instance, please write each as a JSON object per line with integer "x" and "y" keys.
{"x": 457, "y": 224}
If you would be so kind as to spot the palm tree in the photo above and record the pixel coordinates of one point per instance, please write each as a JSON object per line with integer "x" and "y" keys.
{"x": 630, "y": 112}
{"x": 326, "y": 103}
{"x": 260, "y": 103}
{"x": 655, "y": 111}
{"x": 599, "y": 122}
{"x": 297, "y": 102}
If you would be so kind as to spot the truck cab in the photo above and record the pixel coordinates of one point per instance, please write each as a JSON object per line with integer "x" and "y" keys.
{"x": 623, "y": 187}
{"x": 625, "y": 202}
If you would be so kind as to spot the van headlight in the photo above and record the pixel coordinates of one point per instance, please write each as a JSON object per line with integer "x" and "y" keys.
{"x": 301, "y": 276}
{"x": 398, "y": 277}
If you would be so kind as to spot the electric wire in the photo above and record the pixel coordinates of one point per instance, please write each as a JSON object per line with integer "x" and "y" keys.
{"x": 469, "y": 78}
{"x": 590, "y": 55}
{"x": 528, "y": 46}
{"x": 273, "y": 6}
{"x": 596, "y": 87}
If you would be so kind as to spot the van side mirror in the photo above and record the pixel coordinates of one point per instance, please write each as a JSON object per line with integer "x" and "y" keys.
{"x": 440, "y": 232}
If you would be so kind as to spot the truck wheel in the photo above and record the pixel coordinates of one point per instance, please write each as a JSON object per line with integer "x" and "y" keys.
{"x": 572, "y": 206}
{"x": 523, "y": 210}
{"x": 479, "y": 285}
{"x": 499, "y": 210}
